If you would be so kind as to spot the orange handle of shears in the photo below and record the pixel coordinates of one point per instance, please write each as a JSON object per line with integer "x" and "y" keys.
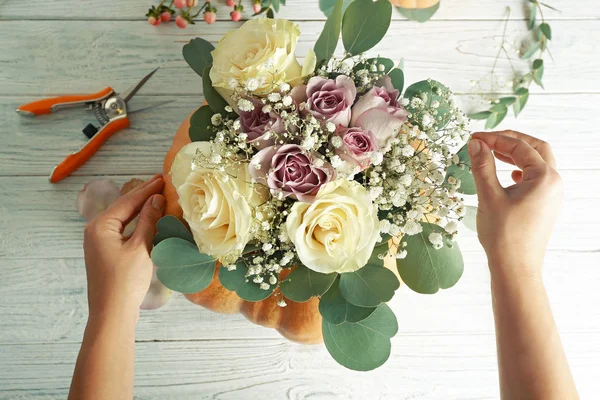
{"x": 77, "y": 159}
{"x": 45, "y": 106}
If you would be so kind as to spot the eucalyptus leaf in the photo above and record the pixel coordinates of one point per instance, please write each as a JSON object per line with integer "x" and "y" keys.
{"x": 330, "y": 35}
{"x": 432, "y": 90}
{"x": 181, "y": 267}
{"x": 335, "y": 309}
{"x": 425, "y": 269}
{"x": 363, "y": 345}
{"x": 235, "y": 281}
{"x": 304, "y": 283}
{"x": 369, "y": 286}
{"x": 275, "y": 5}
{"x": 531, "y": 50}
{"x": 507, "y": 101}
{"x": 498, "y": 107}
{"x": 397, "y": 77}
{"x": 419, "y": 14}
{"x": 213, "y": 98}
{"x": 270, "y": 13}
{"x": 197, "y": 54}
{"x": 170, "y": 226}
{"x": 532, "y": 15}
{"x": 546, "y": 30}
{"x": 200, "y": 125}
{"x": 522, "y": 97}
{"x": 538, "y": 71}
{"x": 470, "y": 218}
{"x": 495, "y": 118}
{"x": 462, "y": 172}
{"x": 480, "y": 115}
{"x": 364, "y": 24}
{"x": 327, "y": 6}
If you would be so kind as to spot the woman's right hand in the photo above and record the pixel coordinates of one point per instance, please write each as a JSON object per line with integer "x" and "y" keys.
{"x": 514, "y": 224}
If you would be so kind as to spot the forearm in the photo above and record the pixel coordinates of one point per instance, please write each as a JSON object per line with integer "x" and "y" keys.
{"x": 531, "y": 358}
{"x": 105, "y": 364}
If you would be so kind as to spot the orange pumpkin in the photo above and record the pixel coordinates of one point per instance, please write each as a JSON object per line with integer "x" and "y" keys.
{"x": 299, "y": 322}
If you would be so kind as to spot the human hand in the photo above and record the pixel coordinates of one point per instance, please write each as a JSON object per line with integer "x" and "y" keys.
{"x": 119, "y": 268}
{"x": 514, "y": 224}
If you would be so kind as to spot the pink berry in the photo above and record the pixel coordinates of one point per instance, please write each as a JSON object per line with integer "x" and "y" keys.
{"x": 210, "y": 17}
{"x": 230, "y": 3}
{"x": 165, "y": 17}
{"x": 236, "y": 15}
{"x": 152, "y": 20}
{"x": 192, "y": 3}
{"x": 181, "y": 22}
{"x": 180, "y": 3}
{"x": 257, "y": 7}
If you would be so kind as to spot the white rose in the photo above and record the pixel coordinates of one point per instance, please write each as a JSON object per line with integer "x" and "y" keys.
{"x": 261, "y": 50}
{"x": 338, "y": 231}
{"x": 216, "y": 205}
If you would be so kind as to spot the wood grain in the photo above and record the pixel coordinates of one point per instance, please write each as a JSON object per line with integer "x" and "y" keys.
{"x": 111, "y": 55}
{"x": 296, "y": 9}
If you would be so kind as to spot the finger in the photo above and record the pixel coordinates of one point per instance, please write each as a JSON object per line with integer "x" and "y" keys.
{"x": 149, "y": 181}
{"x": 517, "y": 176}
{"x": 128, "y": 206}
{"x": 503, "y": 158}
{"x": 145, "y": 230}
{"x": 524, "y": 156}
{"x": 539, "y": 145}
{"x": 483, "y": 168}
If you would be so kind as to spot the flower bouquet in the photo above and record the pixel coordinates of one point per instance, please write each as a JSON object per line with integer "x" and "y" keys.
{"x": 295, "y": 182}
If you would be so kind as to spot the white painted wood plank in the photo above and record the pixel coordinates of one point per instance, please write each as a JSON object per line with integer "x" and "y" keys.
{"x": 118, "y": 53}
{"x": 44, "y": 301}
{"x": 567, "y": 122}
{"x": 296, "y": 9}
{"x": 39, "y": 220}
{"x": 423, "y": 367}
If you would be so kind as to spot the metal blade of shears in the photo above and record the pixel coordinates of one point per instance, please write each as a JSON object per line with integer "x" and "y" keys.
{"x": 160, "y": 103}
{"x": 129, "y": 93}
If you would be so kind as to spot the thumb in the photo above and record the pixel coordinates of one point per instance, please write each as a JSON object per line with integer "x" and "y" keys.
{"x": 483, "y": 168}
{"x": 151, "y": 212}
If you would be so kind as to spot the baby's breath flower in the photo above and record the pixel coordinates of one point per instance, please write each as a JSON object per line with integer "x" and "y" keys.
{"x": 287, "y": 101}
{"x": 274, "y": 97}
{"x": 436, "y": 239}
{"x": 216, "y": 119}
{"x": 245, "y": 105}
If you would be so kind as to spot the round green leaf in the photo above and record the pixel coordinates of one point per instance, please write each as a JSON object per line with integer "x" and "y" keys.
{"x": 326, "y": 6}
{"x": 197, "y": 54}
{"x": 181, "y": 267}
{"x": 170, "y": 226}
{"x": 480, "y": 115}
{"x": 235, "y": 281}
{"x": 425, "y": 269}
{"x": 538, "y": 71}
{"x": 364, "y": 345}
{"x": 397, "y": 77}
{"x": 213, "y": 98}
{"x": 462, "y": 171}
{"x": 335, "y": 309}
{"x": 522, "y": 97}
{"x": 546, "y": 30}
{"x": 470, "y": 218}
{"x": 432, "y": 90}
{"x": 419, "y": 14}
{"x": 200, "y": 125}
{"x": 330, "y": 35}
{"x": 496, "y": 117}
{"x": 364, "y": 24}
{"x": 304, "y": 283}
{"x": 369, "y": 286}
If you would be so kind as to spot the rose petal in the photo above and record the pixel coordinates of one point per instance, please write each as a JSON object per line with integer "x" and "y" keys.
{"x": 158, "y": 294}
{"x": 95, "y": 197}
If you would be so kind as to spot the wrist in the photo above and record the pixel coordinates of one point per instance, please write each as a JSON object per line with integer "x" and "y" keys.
{"x": 515, "y": 273}
{"x": 126, "y": 317}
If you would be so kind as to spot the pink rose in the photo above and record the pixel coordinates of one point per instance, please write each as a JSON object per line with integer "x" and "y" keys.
{"x": 259, "y": 126}
{"x": 291, "y": 170}
{"x": 357, "y": 146}
{"x": 378, "y": 111}
{"x": 331, "y": 100}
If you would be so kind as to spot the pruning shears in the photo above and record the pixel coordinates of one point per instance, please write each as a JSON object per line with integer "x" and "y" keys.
{"x": 109, "y": 109}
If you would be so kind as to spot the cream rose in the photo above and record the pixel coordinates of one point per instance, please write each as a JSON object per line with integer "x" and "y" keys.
{"x": 263, "y": 50}
{"x": 217, "y": 205}
{"x": 338, "y": 231}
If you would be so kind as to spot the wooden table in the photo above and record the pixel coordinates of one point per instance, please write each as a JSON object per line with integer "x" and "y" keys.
{"x": 445, "y": 348}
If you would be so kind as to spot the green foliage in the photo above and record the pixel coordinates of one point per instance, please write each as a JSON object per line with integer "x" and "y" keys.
{"x": 433, "y": 90}
{"x": 235, "y": 281}
{"x": 462, "y": 171}
{"x": 546, "y": 30}
{"x": 197, "y": 54}
{"x": 366, "y": 64}
{"x": 480, "y": 115}
{"x": 363, "y": 345}
{"x": 364, "y": 24}
{"x": 470, "y": 218}
{"x": 336, "y": 309}
{"x": 170, "y": 226}
{"x": 327, "y": 42}
{"x": 538, "y": 71}
{"x": 522, "y": 97}
{"x": 397, "y": 77}
{"x": 327, "y": 6}
{"x": 529, "y": 51}
{"x": 369, "y": 286}
{"x": 200, "y": 125}
{"x": 425, "y": 269}
{"x": 419, "y": 14}
{"x": 498, "y": 113}
{"x": 181, "y": 267}
{"x": 213, "y": 98}
{"x": 304, "y": 283}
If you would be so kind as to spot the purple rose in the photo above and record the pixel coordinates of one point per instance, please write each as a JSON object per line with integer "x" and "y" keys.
{"x": 260, "y": 126}
{"x": 357, "y": 146}
{"x": 378, "y": 111}
{"x": 331, "y": 100}
{"x": 291, "y": 170}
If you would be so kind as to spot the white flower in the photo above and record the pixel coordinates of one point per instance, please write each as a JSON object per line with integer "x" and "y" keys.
{"x": 252, "y": 84}
{"x": 401, "y": 254}
{"x": 338, "y": 231}
{"x": 330, "y": 126}
{"x": 408, "y": 151}
{"x": 265, "y": 286}
{"x": 287, "y": 101}
{"x": 274, "y": 97}
{"x": 451, "y": 227}
{"x": 218, "y": 210}
{"x": 377, "y": 158}
{"x": 336, "y": 141}
{"x": 412, "y": 227}
{"x": 436, "y": 239}
{"x": 216, "y": 119}
{"x": 284, "y": 87}
{"x": 245, "y": 105}
{"x": 405, "y": 180}
{"x": 281, "y": 303}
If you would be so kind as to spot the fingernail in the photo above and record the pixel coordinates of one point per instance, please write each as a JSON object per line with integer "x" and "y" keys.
{"x": 474, "y": 146}
{"x": 158, "y": 202}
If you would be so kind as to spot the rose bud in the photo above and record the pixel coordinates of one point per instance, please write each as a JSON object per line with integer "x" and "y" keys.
{"x": 180, "y": 4}
{"x": 165, "y": 16}
{"x": 210, "y": 17}
{"x": 181, "y": 22}
{"x": 236, "y": 15}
